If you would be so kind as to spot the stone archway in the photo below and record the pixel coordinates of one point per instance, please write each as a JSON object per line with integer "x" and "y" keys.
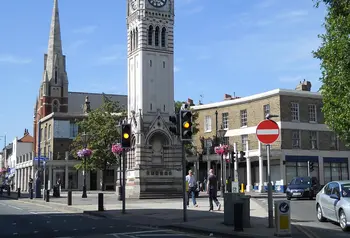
{"x": 157, "y": 141}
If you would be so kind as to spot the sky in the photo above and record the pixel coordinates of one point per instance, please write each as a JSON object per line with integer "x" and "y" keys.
{"x": 237, "y": 47}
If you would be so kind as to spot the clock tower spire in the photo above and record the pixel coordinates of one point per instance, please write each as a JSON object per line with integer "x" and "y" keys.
{"x": 155, "y": 160}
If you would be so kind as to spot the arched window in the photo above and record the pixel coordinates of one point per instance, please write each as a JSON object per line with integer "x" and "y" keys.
{"x": 150, "y": 35}
{"x": 55, "y": 106}
{"x": 56, "y": 75}
{"x": 134, "y": 39}
{"x": 157, "y": 36}
{"x": 163, "y": 36}
{"x": 137, "y": 38}
{"x": 131, "y": 40}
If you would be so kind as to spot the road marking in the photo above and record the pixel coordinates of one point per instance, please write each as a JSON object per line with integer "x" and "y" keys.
{"x": 138, "y": 232}
{"x": 14, "y": 207}
{"x": 161, "y": 235}
{"x": 75, "y": 229}
{"x": 36, "y": 232}
{"x": 14, "y": 223}
{"x": 15, "y": 234}
{"x": 55, "y": 230}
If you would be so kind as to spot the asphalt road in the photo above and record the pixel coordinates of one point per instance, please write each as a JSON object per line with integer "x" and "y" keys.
{"x": 303, "y": 214}
{"x": 18, "y": 219}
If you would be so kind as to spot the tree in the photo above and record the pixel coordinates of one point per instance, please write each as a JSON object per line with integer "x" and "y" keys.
{"x": 334, "y": 54}
{"x": 189, "y": 146}
{"x": 101, "y": 125}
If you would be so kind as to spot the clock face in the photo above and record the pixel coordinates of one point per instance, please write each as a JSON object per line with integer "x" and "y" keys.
{"x": 157, "y": 3}
{"x": 133, "y": 4}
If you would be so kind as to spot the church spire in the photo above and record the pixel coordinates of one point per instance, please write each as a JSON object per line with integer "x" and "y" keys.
{"x": 55, "y": 43}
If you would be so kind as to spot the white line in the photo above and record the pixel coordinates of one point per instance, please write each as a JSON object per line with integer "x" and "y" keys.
{"x": 139, "y": 232}
{"x": 161, "y": 235}
{"x": 15, "y": 207}
{"x": 267, "y": 132}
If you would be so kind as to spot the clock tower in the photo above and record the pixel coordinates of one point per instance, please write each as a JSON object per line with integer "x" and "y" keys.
{"x": 154, "y": 163}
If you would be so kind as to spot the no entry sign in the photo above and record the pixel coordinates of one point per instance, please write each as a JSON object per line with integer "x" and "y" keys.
{"x": 267, "y": 131}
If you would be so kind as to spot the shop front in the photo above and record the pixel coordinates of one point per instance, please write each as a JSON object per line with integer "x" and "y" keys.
{"x": 335, "y": 169}
{"x": 297, "y": 166}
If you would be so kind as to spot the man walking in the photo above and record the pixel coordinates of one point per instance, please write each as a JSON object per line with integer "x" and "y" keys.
{"x": 212, "y": 189}
{"x": 191, "y": 188}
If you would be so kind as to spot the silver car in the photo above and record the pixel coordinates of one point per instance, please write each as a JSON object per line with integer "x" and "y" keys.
{"x": 333, "y": 203}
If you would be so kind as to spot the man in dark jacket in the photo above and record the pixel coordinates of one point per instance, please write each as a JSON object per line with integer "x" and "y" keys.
{"x": 212, "y": 189}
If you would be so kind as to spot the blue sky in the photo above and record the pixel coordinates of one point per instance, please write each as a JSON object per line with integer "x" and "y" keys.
{"x": 235, "y": 46}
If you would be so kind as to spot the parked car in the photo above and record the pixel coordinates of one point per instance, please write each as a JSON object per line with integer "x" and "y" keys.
{"x": 333, "y": 203}
{"x": 303, "y": 187}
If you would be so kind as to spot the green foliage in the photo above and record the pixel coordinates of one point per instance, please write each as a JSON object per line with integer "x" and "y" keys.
{"x": 334, "y": 54}
{"x": 101, "y": 125}
{"x": 189, "y": 146}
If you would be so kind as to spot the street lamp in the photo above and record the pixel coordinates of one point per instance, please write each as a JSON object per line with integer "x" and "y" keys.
{"x": 221, "y": 133}
{"x": 38, "y": 176}
{"x": 85, "y": 140}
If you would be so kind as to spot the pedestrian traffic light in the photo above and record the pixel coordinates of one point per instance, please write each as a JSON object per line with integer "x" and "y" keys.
{"x": 311, "y": 166}
{"x": 242, "y": 155}
{"x": 233, "y": 156}
{"x": 175, "y": 127}
{"x": 126, "y": 135}
{"x": 186, "y": 125}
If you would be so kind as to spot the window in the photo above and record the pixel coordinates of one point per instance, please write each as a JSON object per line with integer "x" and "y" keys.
{"x": 335, "y": 171}
{"x": 295, "y": 111}
{"x": 56, "y": 75}
{"x": 225, "y": 141}
{"x": 163, "y": 36}
{"x": 243, "y": 118}
{"x": 157, "y": 36}
{"x": 313, "y": 139}
{"x": 55, "y": 106}
{"x": 73, "y": 130}
{"x": 150, "y": 63}
{"x": 44, "y": 155}
{"x": 334, "y": 141}
{"x": 266, "y": 109}
{"x": 136, "y": 38}
{"x": 312, "y": 113}
{"x": 49, "y": 132}
{"x": 131, "y": 40}
{"x": 207, "y": 123}
{"x": 49, "y": 151}
{"x": 225, "y": 120}
{"x": 295, "y": 139}
{"x": 244, "y": 139}
{"x": 163, "y": 64}
{"x": 150, "y": 35}
{"x": 45, "y": 133}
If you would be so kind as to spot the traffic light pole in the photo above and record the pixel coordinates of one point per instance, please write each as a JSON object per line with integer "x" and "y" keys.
{"x": 124, "y": 182}
{"x": 308, "y": 169}
{"x": 184, "y": 192}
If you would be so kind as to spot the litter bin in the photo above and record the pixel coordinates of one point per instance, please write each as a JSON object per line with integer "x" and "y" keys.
{"x": 229, "y": 200}
{"x": 56, "y": 191}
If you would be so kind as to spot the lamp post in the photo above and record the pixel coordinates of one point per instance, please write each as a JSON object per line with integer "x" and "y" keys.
{"x": 38, "y": 176}
{"x": 85, "y": 139}
{"x": 221, "y": 133}
{"x": 118, "y": 151}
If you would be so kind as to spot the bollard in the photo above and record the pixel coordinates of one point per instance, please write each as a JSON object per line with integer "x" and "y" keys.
{"x": 69, "y": 198}
{"x": 8, "y": 192}
{"x": 100, "y": 202}
{"x": 18, "y": 192}
{"x": 238, "y": 216}
{"x": 1, "y": 191}
{"x": 47, "y": 195}
{"x": 120, "y": 190}
{"x": 31, "y": 193}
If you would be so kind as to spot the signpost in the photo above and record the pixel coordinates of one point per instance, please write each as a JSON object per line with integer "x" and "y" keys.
{"x": 282, "y": 214}
{"x": 267, "y": 133}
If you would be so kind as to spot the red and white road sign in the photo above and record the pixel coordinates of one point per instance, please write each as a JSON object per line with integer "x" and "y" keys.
{"x": 267, "y": 131}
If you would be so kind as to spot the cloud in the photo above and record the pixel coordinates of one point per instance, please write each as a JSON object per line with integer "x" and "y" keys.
{"x": 176, "y": 69}
{"x": 85, "y": 30}
{"x": 74, "y": 46}
{"x": 112, "y": 54}
{"x": 11, "y": 59}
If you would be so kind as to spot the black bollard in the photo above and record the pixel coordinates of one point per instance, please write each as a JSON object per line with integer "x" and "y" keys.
{"x": 100, "y": 202}
{"x": 47, "y": 195}
{"x": 8, "y": 192}
{"x": 31, "y": 193}
{"x": 18, "y": 192}
{"x": 120, "y": 190}
{"x": 69, "y": 198}
{"x": 238, "y": 216}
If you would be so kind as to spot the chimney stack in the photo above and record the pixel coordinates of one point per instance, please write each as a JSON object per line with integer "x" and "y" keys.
{"x": 304, "y": 86}
{"x": 190, "y": 102}
{"x": 86, "y": 107}
{"x": 227, "y": 96}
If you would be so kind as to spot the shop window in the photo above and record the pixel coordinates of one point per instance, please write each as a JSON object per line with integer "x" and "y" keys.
{"x": 299, "y": 169}
{"x": 335, "y": 171}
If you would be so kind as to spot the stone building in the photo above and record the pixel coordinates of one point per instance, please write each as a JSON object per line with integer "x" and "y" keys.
{"x": 55, "y": 110}
{"x": 303, "y": 137}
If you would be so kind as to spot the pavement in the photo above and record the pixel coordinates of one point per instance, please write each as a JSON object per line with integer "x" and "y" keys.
{"x": 303, "y": 215}
{"x": 22, "y": 219}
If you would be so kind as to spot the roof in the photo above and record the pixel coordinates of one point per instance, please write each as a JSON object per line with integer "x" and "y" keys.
{"x": 27, "y": 139}
{"x": 275, "y": 92}
{"x": 76, "y": 100}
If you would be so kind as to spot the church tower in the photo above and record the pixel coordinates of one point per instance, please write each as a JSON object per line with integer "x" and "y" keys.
{"x": 154, "y": 163}
{"x": 53, "y": 91}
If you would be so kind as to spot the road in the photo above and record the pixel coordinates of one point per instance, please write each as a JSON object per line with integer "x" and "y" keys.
{"x": 22, "y": 220}
{"x": 303, "y": 213}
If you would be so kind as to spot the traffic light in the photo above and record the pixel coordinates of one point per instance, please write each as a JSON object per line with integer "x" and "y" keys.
{"x": 233, "y": 156}
{"x": 242, "y": 155}
{"x": 175, "y": 127}
{"x": 186, "y": 125}
{"x": 126, "y": 135}
{"x": 311, "y": 166}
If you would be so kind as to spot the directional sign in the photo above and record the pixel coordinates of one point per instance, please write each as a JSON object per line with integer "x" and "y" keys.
{"x": 284, "y": 207}
{"x": 267, "y": 131}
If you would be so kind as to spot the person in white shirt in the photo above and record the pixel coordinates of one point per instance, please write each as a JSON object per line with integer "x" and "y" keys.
{"x": 192, "y": 185}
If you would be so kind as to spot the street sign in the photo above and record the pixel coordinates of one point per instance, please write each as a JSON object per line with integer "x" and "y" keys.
{"x": 284, "y": 207}
{"x": 267, "y": 131}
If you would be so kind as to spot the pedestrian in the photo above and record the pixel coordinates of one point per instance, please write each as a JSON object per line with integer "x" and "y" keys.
{"x": 205, "y": 184}
{"x": 192, "y": 186}
{"x": 212, "y": 189}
